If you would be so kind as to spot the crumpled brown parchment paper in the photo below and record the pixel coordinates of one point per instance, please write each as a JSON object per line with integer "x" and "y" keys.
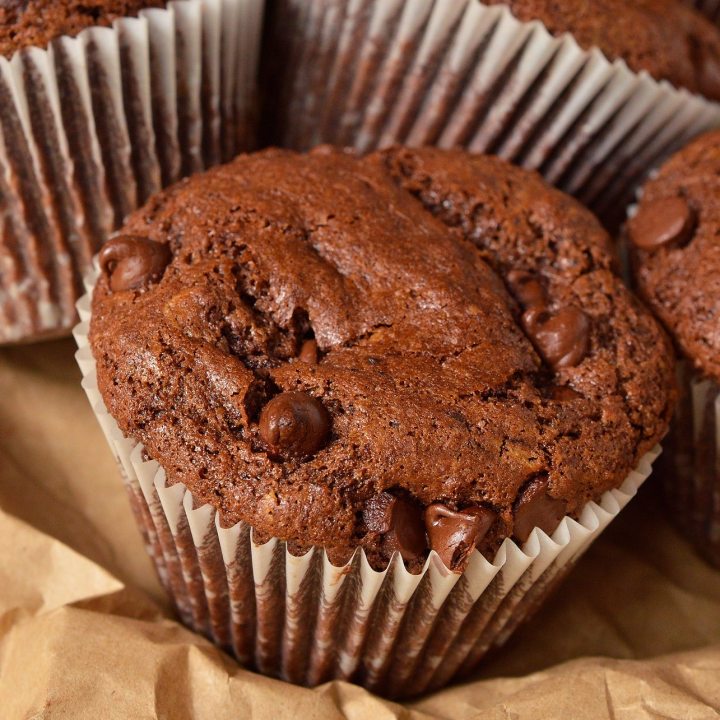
{"x": 85, "y": 630}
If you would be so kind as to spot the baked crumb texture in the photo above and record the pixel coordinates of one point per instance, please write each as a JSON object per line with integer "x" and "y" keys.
{"x": 416, "y": 349}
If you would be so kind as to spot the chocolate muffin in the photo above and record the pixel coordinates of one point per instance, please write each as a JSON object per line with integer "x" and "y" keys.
{"x": 25, "y": 23}
{"x": 662, "y": 37}
{"x": 409, "y": 351}
{"x": 676, "y": 266}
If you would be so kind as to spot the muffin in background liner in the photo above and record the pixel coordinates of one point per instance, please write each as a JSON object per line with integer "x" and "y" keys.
{"x": 690, "y": 466}
{"x": 93, "y": 125}
{"x": 691, "y": 474}
{"x": 306, "y": 621}
{"x": 372, "y": 73}
{"x": 689, "y": 469}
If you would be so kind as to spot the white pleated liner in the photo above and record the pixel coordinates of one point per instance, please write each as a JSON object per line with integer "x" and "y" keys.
{"x": 93, "y": 125}
{"x": 370, "y": 73}
{"x": 692, "y": 489}
{"x": 303, "y": 619}
{"x": 691, "y": 472}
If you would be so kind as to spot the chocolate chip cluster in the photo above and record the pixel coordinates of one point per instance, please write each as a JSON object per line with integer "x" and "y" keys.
{"x": 454, "y": 534}
{"x": 561, "y": 337}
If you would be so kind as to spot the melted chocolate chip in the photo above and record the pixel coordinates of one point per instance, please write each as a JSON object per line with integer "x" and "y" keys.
{"x": 294, "y": 424}
{"x": 526, "y": 288}
{"x": 562, "y": 338}
{"x": 132, "y": 262}
{"x": 309, "y": 352}
{"x": 662, "y": 222}
{"x": 454, "y": 535}
{"x": 536, "y": 508}
{"x": 400, "y": 522}
{"x": 563, "y": 393}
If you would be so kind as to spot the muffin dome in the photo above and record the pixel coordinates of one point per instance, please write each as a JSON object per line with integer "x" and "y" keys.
{"x": 420, "y": 348}
{"x": 668, "y": 40}
{"x": 676, "y": 254}
{"x": 36, "y": 22}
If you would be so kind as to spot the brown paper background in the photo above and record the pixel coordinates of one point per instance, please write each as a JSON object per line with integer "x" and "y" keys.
{"x": 85, "y": 631}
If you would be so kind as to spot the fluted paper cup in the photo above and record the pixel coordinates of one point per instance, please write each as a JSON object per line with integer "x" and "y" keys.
{"x": 690, "y": 465}
{"x": 690, "y": 468}
{"x": 307, "y": 621}
{"x": 93, "y": 125}
{"x": 372, "y": 73}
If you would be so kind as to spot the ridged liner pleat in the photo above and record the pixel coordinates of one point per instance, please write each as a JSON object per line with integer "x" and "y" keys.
{"x": 95, "y": 124}
{"x": 370, "y": 73}
{"x": 692, "y": 467}
{"x": 303, "y": 619}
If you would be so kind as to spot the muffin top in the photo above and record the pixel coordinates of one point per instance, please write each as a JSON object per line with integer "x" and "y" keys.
{"x": 667, "y": 39}
{"x": 676, "y": 253}
{"x": 36, "y": 22}
{"x": 417, "y": 348}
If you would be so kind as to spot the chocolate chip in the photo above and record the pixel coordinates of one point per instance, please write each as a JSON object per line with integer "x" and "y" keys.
{"x": 131, "y": 261}
{"x": 309, "y": 352}
{"x": 562, "y": 338}
{"x": 661, "y": 222}
{"x": 526, "y": 288}
{"x": 294, "y": 424}
{"x": 536, "y": 508}
{"x": 563, "y": 393}
{"x": 399, "y": 520}
{"x": 708, "y": 74}
{"x": 455, "y": 534}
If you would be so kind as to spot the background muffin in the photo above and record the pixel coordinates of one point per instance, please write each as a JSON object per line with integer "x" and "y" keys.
{"x": 413, "y": 351}
{"x": 676, "y": 264}
{"x": 25, "y": 23}
{"x": 661, "y": 37}
{"x": 95, "y": 119}
{"x": 590, "y": 94}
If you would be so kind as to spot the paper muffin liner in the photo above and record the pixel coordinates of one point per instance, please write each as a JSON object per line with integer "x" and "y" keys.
{"x": 307, "y": 621}
{"x": 371, "y": 73}
{"x": 93, "y": 125}
{"x": 691, "y": 466}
